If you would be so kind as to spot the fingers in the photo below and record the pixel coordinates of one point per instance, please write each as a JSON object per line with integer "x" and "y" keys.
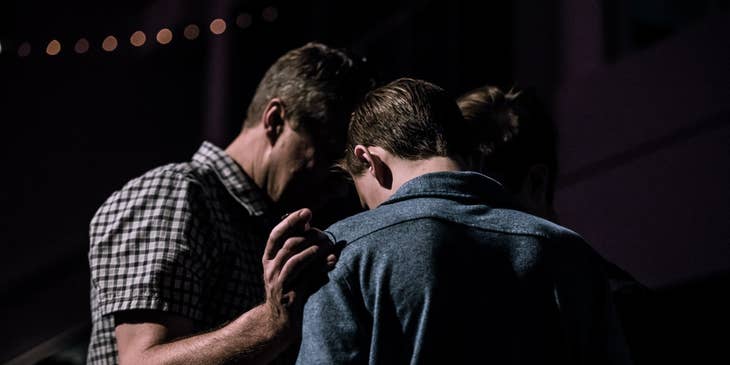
{"x": 294, "y": 224}
{"x": 294, "y": 245}
{"x": 298, "y": 252}
{"x": 296, "y": 259}
{"x": 298, "y": 263}
{"x": 331, "y": 261}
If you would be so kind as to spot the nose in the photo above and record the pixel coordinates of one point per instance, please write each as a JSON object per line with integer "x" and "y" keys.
{"x": 311, "y": 163}
{"x": 318, "y": 168}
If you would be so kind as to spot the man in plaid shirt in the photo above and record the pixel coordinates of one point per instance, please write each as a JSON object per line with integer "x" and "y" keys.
{"x": 176, "y": 255}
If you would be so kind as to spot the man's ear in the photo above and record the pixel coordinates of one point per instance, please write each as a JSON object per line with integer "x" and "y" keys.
{"x": 273, "y": 119}
{"x": 376, "y": 167}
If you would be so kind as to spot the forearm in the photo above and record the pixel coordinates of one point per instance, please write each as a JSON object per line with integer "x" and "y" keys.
{"x": 256, "y": 337}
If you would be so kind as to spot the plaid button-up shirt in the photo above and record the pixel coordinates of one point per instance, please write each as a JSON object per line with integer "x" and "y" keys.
{"x": 183, "y": 238}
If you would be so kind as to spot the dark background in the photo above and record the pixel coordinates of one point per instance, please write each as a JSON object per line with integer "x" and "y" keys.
{"x": 639, "y": 90}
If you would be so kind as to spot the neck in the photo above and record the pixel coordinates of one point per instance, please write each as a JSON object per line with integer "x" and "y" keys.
{"x": 248, "y": 154}
{"x": 405, "y": 170}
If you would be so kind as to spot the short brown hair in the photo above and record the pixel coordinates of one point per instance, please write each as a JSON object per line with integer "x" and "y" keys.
{"x": 412, "y": 119}
{"x": 318, "y": 85}
{"x": 514, "y": 131}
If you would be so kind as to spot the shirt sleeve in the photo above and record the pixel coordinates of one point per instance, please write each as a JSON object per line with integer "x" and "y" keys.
{"x": 147, "y": 247}
{"x": 334, "y": 327}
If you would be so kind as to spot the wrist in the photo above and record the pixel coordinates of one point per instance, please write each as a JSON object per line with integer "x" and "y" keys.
{"x": 278, "y": 321}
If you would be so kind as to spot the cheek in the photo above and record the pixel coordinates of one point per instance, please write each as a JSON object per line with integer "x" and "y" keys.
{"x": 302, "y": 155}
{"x": 302, "y": 167}
{"x": 290, "y": 157}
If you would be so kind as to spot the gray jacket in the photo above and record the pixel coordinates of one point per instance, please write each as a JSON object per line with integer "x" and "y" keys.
{"x": 443, "y": 272}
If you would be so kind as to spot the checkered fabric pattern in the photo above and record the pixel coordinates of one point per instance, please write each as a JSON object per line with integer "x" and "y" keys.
{"x": 184, "y": 238}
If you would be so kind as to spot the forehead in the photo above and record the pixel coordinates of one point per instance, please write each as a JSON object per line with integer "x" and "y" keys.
{"x": 330, "y": 143}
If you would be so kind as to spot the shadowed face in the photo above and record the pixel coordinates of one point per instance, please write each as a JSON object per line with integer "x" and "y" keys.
{"x": 293, "y": 157}
{"x": 300, "y": 169}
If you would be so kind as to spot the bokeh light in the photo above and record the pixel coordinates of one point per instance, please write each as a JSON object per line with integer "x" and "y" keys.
{"x": 270, "y": 14}
{"x": 164, "y": 36}
{"x": 24, "y": 49}
{"x": 243, "y": 20}
{"x": 53, "y": 48}
{"x": 191, "y": 32}
{"x": 81, "y": 46}
{"x": 218, "y": 26}
{"x": 110, "y": 43}
{"x": 138, "y": 38}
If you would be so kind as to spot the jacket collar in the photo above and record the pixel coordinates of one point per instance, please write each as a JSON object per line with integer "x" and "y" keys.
{"x": 466, "y": 186}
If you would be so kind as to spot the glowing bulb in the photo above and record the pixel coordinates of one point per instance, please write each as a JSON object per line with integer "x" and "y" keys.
{"x": 218, "y": 26}
{"x": 164, "y": 36}
{"x": 110, "y": 43}
{"x": 81, "y": 46}
{"x": 243, "y": 20}
{"x": 53, "y": 48}
{"x": 138, "y": 38}
{"x": 191, "y": 32}
{"x": 24, "y": 49}
{"x": 270, "y": 14}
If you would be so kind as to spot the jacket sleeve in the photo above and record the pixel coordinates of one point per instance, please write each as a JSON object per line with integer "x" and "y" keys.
{"x": 335, "y": 327}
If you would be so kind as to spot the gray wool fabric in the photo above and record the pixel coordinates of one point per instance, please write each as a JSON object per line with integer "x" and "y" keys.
{"x": 445, "y": 272}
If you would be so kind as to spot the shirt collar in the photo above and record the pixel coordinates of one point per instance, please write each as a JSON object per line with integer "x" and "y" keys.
{"x": 234, "y": 179}
{"x": 458, "y": 185}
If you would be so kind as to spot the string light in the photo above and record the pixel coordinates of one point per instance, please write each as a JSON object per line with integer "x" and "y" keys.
{"x": 164, "y": 36}
{"x": 138, "y": 38}
{"x": 243, "y": 20}
{"x": 81, "y": 46}
{"x": 191, "y": 32}
{"x": 53, "y": 48}
{"x": 110, "y": 43}
{"x": 270, "y": 14}
{"x": 24, "y": 49}
{"x": 218, "y": 26}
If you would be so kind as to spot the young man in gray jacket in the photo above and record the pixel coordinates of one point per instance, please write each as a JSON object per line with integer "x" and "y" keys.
{"x": 441, "y": 269}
